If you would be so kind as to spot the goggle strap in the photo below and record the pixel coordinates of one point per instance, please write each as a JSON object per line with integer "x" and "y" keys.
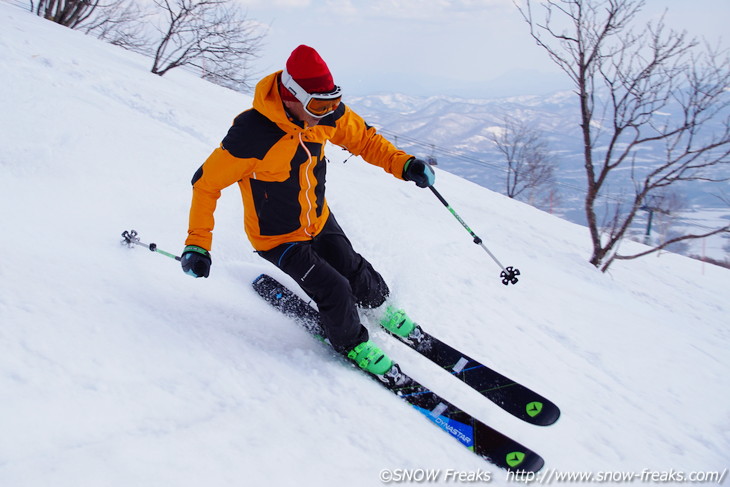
{"x": 290, "y": 84}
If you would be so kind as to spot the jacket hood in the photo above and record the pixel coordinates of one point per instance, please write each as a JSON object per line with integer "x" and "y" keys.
{"x": 267, "y": 100}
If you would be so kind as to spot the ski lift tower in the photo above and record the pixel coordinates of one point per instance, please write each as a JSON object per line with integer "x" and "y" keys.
{"x": 653, "y": 203}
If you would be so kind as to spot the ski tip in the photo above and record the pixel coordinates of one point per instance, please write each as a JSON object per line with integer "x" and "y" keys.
{"x": 541, "y": 413}
{"x": 553, "y": 418}
{"x": 535, "y": 463}
{"x": 521, "y": 461}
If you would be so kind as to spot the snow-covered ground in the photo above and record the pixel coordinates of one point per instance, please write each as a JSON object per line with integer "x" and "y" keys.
{"x": 116, "y": 369}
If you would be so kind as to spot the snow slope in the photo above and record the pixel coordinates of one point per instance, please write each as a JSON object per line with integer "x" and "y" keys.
{"x": 116, "y": 369}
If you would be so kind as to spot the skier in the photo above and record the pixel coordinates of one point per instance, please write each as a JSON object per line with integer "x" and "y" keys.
{"x": 275, "y": 152}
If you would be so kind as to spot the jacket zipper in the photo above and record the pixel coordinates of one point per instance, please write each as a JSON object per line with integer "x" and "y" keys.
{"x": 309, "y": 185}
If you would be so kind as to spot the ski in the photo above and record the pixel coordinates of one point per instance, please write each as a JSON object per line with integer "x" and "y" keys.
{"x": 483, "y": 440}
{"x": 511, "y": 396}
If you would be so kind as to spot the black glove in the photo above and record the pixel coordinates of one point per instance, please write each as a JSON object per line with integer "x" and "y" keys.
{"x": 419, "y": 172}
{"x": 195, "y": 261}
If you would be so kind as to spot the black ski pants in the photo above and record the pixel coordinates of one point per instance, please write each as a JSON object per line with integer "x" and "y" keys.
{"x": 336, "y": 278}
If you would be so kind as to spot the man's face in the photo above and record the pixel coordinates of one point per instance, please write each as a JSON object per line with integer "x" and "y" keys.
{"x": 297, "y": 110}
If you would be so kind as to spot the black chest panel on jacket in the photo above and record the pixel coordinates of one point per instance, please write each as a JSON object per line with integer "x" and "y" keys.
{"x": 252, "y": 135}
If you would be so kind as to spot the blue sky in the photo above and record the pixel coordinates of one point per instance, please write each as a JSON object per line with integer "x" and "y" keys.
{"x": 478, "y": 48}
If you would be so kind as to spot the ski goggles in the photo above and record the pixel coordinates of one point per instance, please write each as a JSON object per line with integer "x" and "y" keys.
{"x": 317, "y": 105}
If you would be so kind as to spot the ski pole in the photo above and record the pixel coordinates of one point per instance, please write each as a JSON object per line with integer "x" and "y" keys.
{"x": 131, "y": 238}
{"x": 508, "y": 274}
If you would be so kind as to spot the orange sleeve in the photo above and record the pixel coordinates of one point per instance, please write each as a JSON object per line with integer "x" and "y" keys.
{"x": 355, "y": 135}
{"x": 219, "y": 171}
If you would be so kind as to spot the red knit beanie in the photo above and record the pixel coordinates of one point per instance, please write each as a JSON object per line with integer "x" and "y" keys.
{"x": 308, "y": 69}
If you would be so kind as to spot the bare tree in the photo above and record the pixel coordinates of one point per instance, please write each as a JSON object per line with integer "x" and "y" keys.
{"x": 626, "y": 82}
{"x": 211, "y": 35}
{"x": 530, "y": 166}
{"x": 65, "y": 12}
{"x": 121, "y": 23}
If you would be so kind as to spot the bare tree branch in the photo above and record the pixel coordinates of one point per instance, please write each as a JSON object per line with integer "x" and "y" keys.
{"x": 122, "y": 23}
{"x": 626, "y": 82}
{"x": 663, "y": 245}
{"x": 530, "y": 166}
{"x": 212, "y": 35}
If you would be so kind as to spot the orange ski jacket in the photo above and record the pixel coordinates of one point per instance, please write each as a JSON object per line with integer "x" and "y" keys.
{"x": 280, "y": 169}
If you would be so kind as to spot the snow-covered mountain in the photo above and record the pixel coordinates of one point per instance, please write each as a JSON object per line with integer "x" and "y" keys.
{"x": 116, "y": 369}
{"x": 457, "y": 132}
